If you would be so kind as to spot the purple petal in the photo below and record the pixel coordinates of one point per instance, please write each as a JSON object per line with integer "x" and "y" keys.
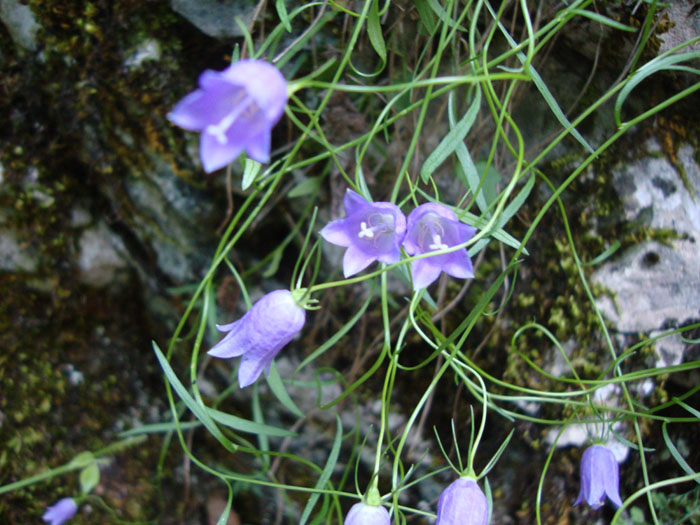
{"x": 249, "y": 371}
{"x": 234, "y": 343}
{"x": 355, "y": 260}
{"x": 208, "y": 105}
{"x": 59, "y": 513}
{"x": 463, "y": 503}
{"x": 264, "y": 83}
{"x": 423, "y": 273}
{"x": 336, "y": 232}
{"x": 258, "y": 147}
{"x": 390, "y": 257}
{"x": 459, "y": 265}
{"x": 216, "y": 155}
{"x": 363, "y": 514}
{"x": 354, "y": 203}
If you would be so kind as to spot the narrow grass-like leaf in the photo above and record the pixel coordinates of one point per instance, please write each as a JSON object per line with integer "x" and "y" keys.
{"x": 648, "y": 69}
{"x": 327, "y": 470}
{"x": 426, "y": 16}
{"x": 517, "y": 202}
{"x": 197, "y": 409}
{"x": 677, "y": 455}
{"x": 374, "y": 31}
{"x": 603, "y": 20}
{"x": 223, "y": 519}
{"x": 245, "y": 425}
{"x": 277, "y": 386}
{"x": 451, "y": 141}
{"x": 284, "y": 16}
{"x": 158, "y": 428}
{"x": 605, "y": 255}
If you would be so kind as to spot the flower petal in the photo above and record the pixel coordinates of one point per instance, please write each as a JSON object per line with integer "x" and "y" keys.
{"x": 355, "y": 260}
{"x": 354, "y": 202}
{"x": 249, "y": 371}
{"x": 264, "y": 83}
{"x": 258, "y": 147}
{"x": 423, "y": 273}
{"x": 459, "y": 265}
{"x": 216, "y": 155}
{"x": 336, "y": 232}
{"x": 235, "y": 343}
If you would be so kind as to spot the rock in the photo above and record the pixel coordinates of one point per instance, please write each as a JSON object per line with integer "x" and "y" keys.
{"x": 100, "y": 260}
{"x": 20, "y": 22}
{"x": 654, "y": 284}
{"x": 215, "y": 18}
{"x": 684, "y": 26}
{"x": 14, "y": 256}
{"x": 147, "y": 50}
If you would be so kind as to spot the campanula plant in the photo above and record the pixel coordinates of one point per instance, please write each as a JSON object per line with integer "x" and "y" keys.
{"x": 370, "y": 232}
{"x": 234, "y": 110}
{"x": 260, "y": 334}
{"x": 433, "y": 227}
{"x": 463, "y": 503}
{"x": 59, "y": 513}
{"x": 600, "y": 477}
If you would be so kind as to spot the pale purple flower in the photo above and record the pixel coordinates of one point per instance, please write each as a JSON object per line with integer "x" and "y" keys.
{"x": 600, "y": 477}
{"x": 234, "y": 110}
{"x": 260, "y": 334}
{"x": 363, "y": 514}
{"x": 370, "y": 232}
{"x": 433, "y": 227}
{"x": 59, "y": 513}
{"x": 463, "y": 503}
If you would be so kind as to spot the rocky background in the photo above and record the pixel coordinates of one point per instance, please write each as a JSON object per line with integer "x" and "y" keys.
{"x": 107, "y": 221}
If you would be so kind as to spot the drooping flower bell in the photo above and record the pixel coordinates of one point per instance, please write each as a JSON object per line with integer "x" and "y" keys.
{"x": 432, "y": 227}
{"x": 364, "y": 514}
{"x": 370, "y": 232}
{"x": 600, "y": 477}
{"x": 260, "y": 334}
{"x": 59, "y": 513}
{"x": 463, "y": 503}
{"x": 234, "y": 110}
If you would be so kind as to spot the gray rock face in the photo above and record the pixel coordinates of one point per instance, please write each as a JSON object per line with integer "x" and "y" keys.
{"x": 215, "y": 18}
{"x": 653, "y": 282}
{"x": 20, "y": 22}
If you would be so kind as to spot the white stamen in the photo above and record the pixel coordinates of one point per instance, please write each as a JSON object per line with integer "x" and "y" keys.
{"x": 365, "y": 231}
{"x": 437, "y": 243}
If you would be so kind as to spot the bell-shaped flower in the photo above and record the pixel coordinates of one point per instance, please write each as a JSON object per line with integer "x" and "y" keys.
{"x": 432, "y": 227}
{"x": 364, "y": 514}
{"x": 260, "y": 334}
{"x": 59, "y": 513}
{"x": 600, "y": 477}
{"x": 463, "y": 503}
{"x": 234, "y": 110}
{"x": 370, "y": 232}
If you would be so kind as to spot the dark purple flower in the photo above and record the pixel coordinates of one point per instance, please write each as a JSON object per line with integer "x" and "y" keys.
{"x": 434, "y": 227}
{"x": 370, "y": 232}
{"x": 60, "y": 512}
{"x": 463, "y": 503}
{"x": 600, "y": 477}
{"x": 363, "y": 514}
{"x": 234, "y": 110}
{"x": 260, "y": 334}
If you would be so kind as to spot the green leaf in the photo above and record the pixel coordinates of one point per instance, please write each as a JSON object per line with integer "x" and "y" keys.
{"x": 250, "y": 171}
{"x": 426, "y": 16}
{"x": 277, "y": 386}
{"x": 305, "y": 187}
{"x": 374, "y": 31}
{"x": 451, "y": 141}
{"x": 604, "y": 20}
{"x": 198, "y": 410}
{"x": 327, "y": 471}
{"x": 284, "y": 16}
{"x": 245, "y": 425}
{"x": 81, "y": 460}
{"x": 89, "y": 477}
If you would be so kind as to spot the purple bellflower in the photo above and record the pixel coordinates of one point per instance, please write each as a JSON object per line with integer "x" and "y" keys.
{"x": 433, "y": 227}
{"x": 59, "y": 513}
{"x": 370, "y": 232}
{"x": 463, "y": 503}
{"x": 260, "y": 334}
{"x": 600, "y": 477}
{"x": 363, "y": 514}
{"x": 234, "y": 110}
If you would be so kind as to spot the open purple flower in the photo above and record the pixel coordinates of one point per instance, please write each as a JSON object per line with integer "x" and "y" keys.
{"x": 260, "y": 334}
{"x": 234, "y": 110}
{"x": 463, "y": 503}
{"x": 363, "y": 514}
{"x": 600, "y": 477}
{"x": 433, "y": 227}
{"x": 59, "y": 513}
{"x": 370, "y": 232}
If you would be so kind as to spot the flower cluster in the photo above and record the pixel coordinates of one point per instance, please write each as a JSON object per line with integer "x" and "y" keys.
{"x": 375, "y": 231}
{"x": 234, "y": 110}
